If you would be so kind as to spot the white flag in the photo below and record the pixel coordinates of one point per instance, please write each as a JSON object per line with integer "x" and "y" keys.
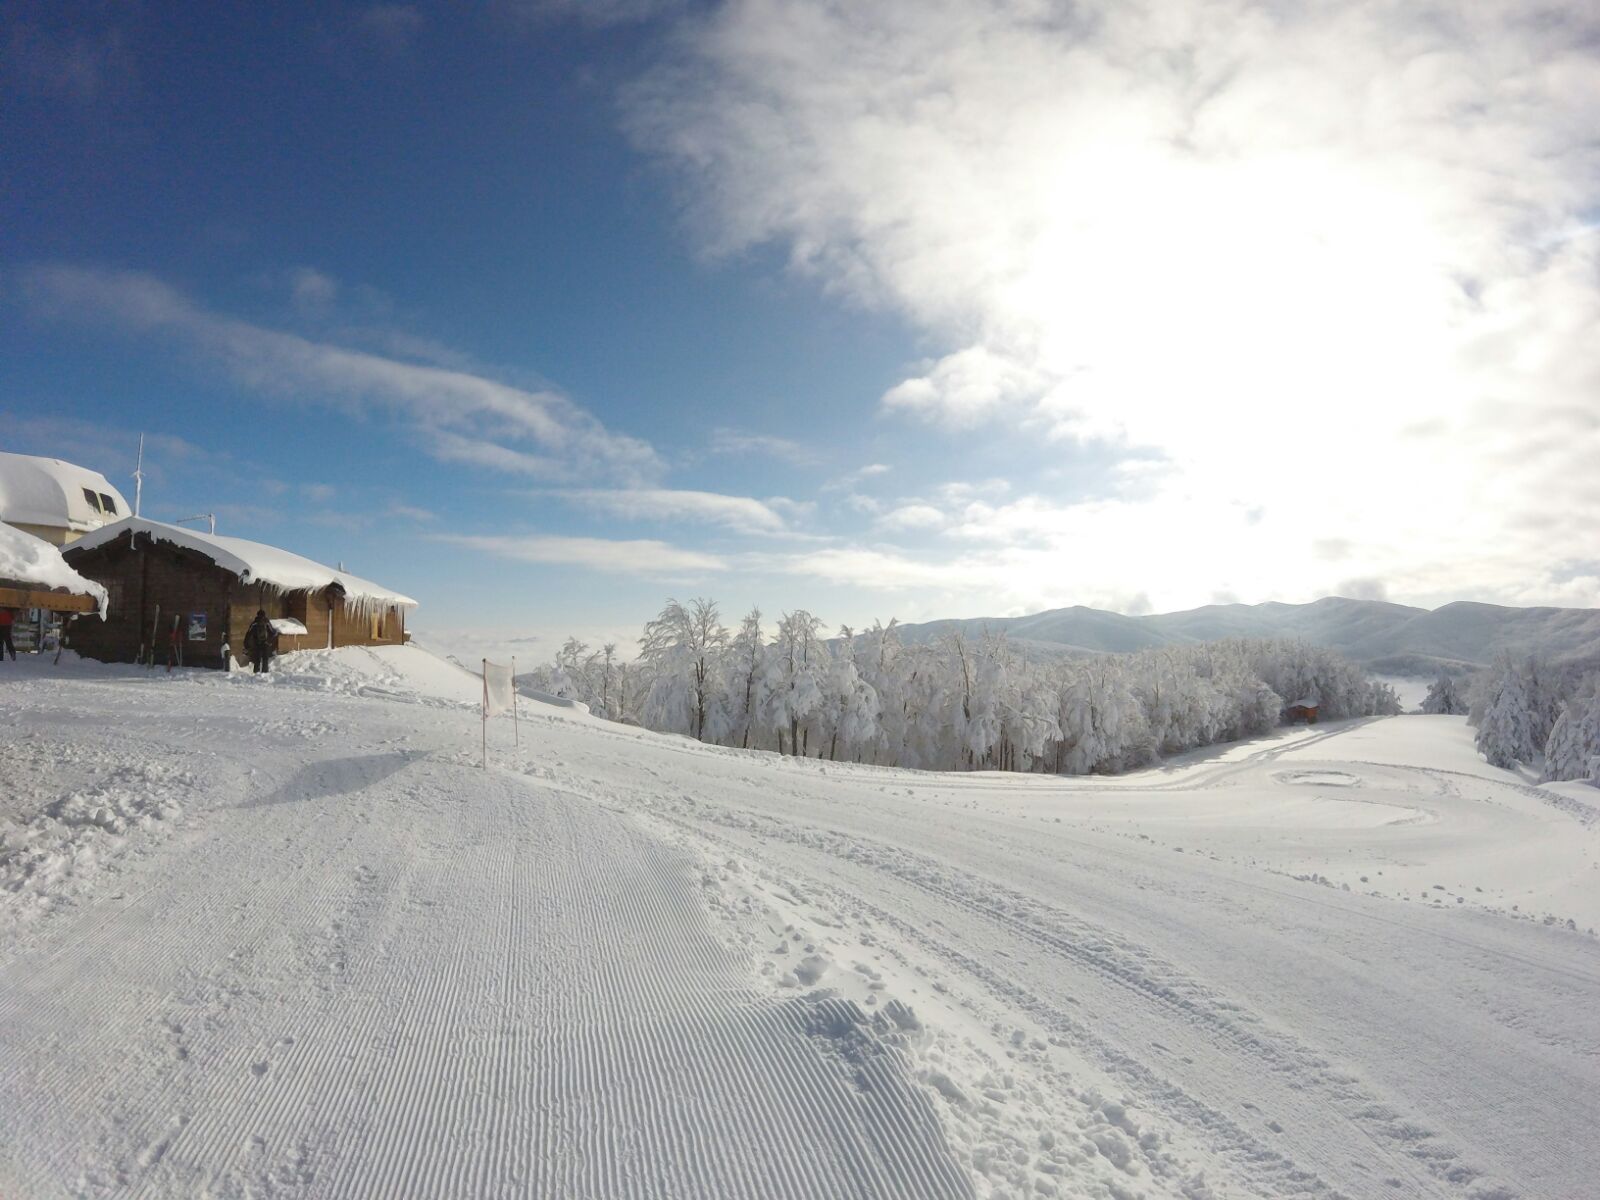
{"x": 499, "y": 692}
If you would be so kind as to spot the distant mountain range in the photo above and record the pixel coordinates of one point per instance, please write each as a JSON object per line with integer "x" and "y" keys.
{"x": 1388, "y": 638}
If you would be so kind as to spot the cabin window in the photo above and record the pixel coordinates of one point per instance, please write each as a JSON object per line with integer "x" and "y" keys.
{"x": 93, "y": 499}
{"x": 377, "y": 626}
{"x": 108, "y": 504}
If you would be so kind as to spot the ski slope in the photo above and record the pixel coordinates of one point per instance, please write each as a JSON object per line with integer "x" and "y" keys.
{"x": 284, "y": 937}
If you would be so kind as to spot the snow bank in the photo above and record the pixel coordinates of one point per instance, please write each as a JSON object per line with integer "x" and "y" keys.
{"x": 252, "y": 562}
{"x": 33, "y": 561}
{"x": 49, "y": 856}
{"x": 405, "y": 673}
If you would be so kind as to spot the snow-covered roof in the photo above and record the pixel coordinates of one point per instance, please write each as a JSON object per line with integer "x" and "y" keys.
{"x": 252, "y": 562}
{"x": 25, "y": 559}
{"x": 1307, "y": 702}
{"x": 47, "y": 491}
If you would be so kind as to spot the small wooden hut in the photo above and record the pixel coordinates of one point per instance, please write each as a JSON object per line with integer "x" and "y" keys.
{"x": 164, "y": 580}
{"x": 1303, "y": 710}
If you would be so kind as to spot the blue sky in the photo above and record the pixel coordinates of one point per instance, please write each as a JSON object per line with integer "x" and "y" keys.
{"x": 545, "y": 311}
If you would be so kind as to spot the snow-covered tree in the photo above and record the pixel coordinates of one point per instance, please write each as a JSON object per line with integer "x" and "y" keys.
{"x": 576, "y": 664}
{"x": 954, "y": 704}
{"x": 849, "y": 710}
{"x": 1505, "y": 734}
{"x": 1103, "y": 726}
{"x": 607, "y": 677}
{"x": 1573, "y": 751}
{"x": 793, "y": 689}
{"x": 880, "y": 665}
{"x": 1548, "y": 689}
{"x": 746, "y": 657}
{"x": 989, "y": 695}
{"x": 682, "y": 647}
{"x": 1445, "y": 698}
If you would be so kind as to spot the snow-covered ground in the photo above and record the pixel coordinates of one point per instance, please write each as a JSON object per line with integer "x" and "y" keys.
{"x": 284, "y": 937}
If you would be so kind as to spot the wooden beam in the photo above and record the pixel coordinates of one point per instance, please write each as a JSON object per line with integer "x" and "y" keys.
{"x": 11, "y": 597}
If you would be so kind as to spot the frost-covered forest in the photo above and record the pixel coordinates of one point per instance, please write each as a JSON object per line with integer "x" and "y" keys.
{"x": 1528, "y": 711}
{"x": 958, "y": 704}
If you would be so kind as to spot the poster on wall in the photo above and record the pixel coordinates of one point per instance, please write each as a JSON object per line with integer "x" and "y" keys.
{"x": 197, "y": 627}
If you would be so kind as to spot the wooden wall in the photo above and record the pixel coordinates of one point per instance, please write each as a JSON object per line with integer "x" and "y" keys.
{"x": 354, "y": 626}
{"x": 138, "y": 580}
{"x": 310, "y": 608}
{"x": 182, "y": 582}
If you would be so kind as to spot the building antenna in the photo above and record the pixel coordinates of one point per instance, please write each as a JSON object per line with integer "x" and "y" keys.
{"x": 138, "y": 478}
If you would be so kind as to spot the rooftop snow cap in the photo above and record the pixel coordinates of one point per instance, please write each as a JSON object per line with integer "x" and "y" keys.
{"x": 29, "y": 562}
{"x": 49, "y": 492}
{"x": 252, "y": 562}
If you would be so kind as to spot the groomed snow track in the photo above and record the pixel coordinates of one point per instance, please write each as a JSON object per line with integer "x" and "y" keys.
{"x": 395, "y": 975}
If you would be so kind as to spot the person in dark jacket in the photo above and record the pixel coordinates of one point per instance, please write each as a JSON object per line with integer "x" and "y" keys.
{"x": 261, "y": 642}
{"x": 7, "y": 619}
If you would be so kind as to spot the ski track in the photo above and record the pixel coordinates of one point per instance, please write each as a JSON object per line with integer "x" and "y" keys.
{"x": 1311, "y": 1090}
{"x": 1528, "y": 996}
{"x": 399, "y": 993}
{"x": 356, "y": 965}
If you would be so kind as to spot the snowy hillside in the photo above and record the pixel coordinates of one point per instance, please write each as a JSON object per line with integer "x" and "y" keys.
{"x": 1393, "y": 637}
{"x": 283, "y": 936}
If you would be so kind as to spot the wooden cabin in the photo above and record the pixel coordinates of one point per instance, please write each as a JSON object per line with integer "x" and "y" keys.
{"x": 1303, "y": 711}
{"x": 163, "y": 578}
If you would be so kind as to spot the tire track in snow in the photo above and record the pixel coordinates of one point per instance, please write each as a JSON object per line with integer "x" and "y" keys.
{"x": 1311, "y": 1089}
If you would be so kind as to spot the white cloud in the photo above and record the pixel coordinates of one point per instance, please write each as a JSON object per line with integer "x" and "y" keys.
{"x": 869, "y": 505}
{"x": 967, "y": 387}
{"x": 880, "y": 569}
{"x": 650, "y": 558}
{"x": 911, "y": 517}
{"x": 793, "y": 510}
{"x": 738, "y": 443}
{"x": 312, "y": 291}
{"x": 480, "y": 452}
{"x": 1335, "y": 262}
{"x": 743, "y": 514}
{"x": 456, "y": 415}
{"x": 848, "y": 481}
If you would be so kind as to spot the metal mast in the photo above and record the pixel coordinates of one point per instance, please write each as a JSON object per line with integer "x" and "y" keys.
{"x": 138, "y": 478}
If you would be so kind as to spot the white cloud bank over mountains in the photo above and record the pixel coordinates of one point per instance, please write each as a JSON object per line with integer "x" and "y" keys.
{"x": 1335, "y": 265}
